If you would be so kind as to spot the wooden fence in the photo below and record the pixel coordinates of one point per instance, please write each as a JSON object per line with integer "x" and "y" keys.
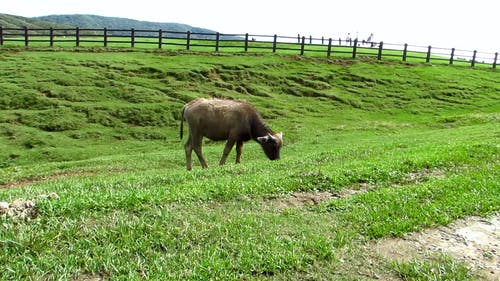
{"x": 298, "y": 45}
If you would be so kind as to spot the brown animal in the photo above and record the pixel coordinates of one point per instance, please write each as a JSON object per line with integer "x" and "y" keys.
{"x": 232, "y": 120}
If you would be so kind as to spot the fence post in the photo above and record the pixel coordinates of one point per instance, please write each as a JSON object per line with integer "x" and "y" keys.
{"x": 354, "y": 48}
{"x": 105, "y": 35}
{"x": 380, "y": 47}
{"x": 473, "y": 62}
{"x": 405, "y": 52}
{"x": 310, "y": 39}
{"x": 160, "y": 38}
{"x": 217, "y": 39}
{"x": 1, "y": 36}
{"x": 77, "y": 33}
{"x": 132, "y": 37}
{"x": 274, "y": 43}
{"x": 246, "y": 42}
{"x": 51, "y": 37}
{"x": 495, "y": 61}
{"x": 188, "y": 40}
{"x": 428, "y": 58}
{"x": 26, "y": 36}
{"x": 302, "y": 45}
{"x": 298, "y": 38}
{"x": 452, "y": 55}
{"x": 329, "y": 50}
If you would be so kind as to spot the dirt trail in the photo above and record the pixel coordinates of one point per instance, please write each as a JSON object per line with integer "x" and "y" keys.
{"x": 473, "y": 240}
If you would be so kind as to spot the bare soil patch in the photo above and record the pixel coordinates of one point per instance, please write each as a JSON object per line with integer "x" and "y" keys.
{"x": 34, "y": 180}
{"x": 473, "y": 240}
{"x": 23, "y": 182}
{"x": 298, "y": 199}
{"x": 307, "y": 198}
{"x": 24, "y": 209}
{"x": 424, "y": 175}
{"x": 311, "y": 198}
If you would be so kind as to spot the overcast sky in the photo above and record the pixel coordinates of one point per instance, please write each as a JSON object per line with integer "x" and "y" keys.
{"x": 465, "y": 25}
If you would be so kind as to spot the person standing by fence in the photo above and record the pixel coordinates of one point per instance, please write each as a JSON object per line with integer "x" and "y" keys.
{"x": 348, "y": 39}
{"x": 370, "y": 40}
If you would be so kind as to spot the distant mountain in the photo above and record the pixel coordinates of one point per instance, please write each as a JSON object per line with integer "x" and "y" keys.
{"x": 99, "y": 22}
{"x": 11, "y": 21}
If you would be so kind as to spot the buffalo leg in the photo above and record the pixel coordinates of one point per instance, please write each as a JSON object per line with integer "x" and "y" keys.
{"x": 194, "y": 143}
{"x": 189, "y": 149}
{"x": 197, "y": 150}
{"x": 239, "y": 150}
{"x": 227, "y": 149}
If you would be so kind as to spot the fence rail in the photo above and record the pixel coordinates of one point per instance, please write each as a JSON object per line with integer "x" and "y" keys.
{"x": 299, "y": 45}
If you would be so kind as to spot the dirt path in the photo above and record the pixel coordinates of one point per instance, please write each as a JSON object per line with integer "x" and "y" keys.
{"x": 474, "y": 240}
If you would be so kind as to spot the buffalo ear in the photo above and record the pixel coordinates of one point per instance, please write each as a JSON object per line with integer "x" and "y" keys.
{"x": 280, "y": 135}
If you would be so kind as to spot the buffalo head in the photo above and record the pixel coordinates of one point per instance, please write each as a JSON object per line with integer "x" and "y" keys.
{"x": 271, "y": 144}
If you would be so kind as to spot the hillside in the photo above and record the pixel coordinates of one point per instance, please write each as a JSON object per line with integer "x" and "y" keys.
{"x": 93, "y": 180}
{"x": 99, "y": 22}
{"x": 11, "y": 21}
{"x": 138, "y": 96}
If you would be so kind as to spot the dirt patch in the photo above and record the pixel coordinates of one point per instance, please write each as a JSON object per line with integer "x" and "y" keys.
{"x": 474, "y": 240}
{"x": 34, "y": 180}
{"x": 298, "y": 199}
{"x": 307, "y": 198}
{"x": 423, "y": 175}
{"x": 310, "y": 198}
{"x": 56, "y": 176}
{"x": 24, "y": 209}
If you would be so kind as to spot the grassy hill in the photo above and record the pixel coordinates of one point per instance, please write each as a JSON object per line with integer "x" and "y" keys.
{"x": 398, "y": 148}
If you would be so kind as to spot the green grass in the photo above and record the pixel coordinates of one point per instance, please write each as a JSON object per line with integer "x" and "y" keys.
{"x": 101, "y": 130}
{"x": 441, "y": 268}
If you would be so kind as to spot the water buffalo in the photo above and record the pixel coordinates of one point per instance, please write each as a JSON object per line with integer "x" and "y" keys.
{"x": 233, "y": 120}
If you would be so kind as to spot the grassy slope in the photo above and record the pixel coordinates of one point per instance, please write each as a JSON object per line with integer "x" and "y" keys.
{"x": 422, "y": 139}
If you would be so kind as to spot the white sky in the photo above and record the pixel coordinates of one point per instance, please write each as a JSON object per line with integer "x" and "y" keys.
{"x": 465, "y": 24}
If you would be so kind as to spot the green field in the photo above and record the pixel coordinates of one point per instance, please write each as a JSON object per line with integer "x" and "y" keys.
{"x": 417, "y": 144}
